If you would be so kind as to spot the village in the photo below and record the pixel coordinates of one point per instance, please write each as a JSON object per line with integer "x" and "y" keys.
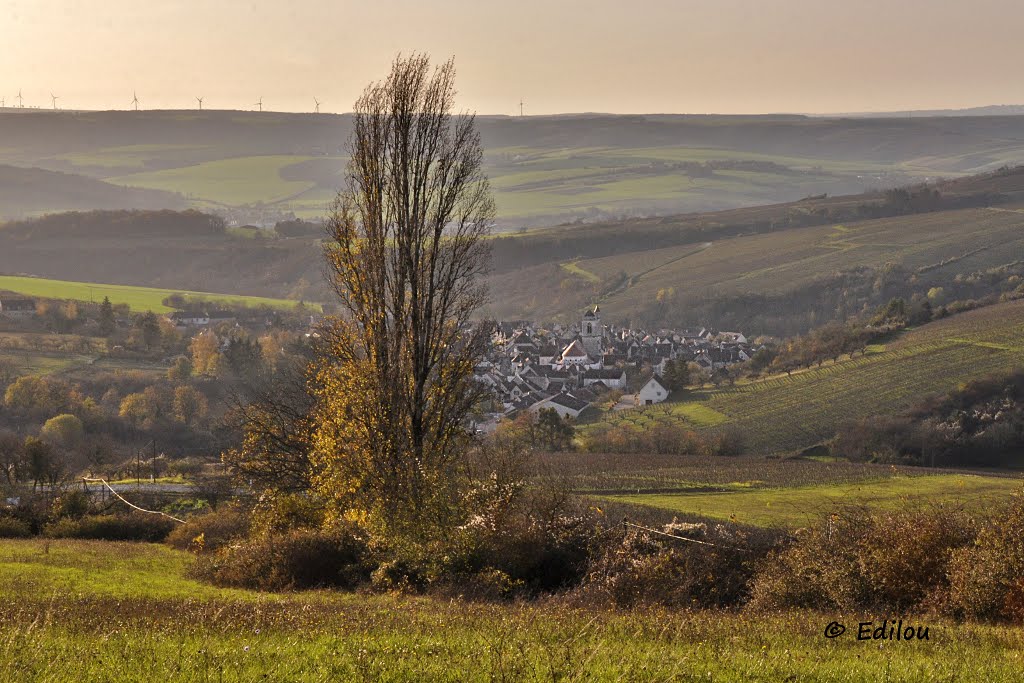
{"x": 570, "y": 368}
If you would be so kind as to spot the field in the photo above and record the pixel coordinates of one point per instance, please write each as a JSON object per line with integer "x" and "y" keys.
{"x": 793, "y": 506}
{"x": 137, "y": 298}
{"x": 95, "y": 611}
{"x": 768, "y": 492}
{"x": 530, "y": 182}
{"x": 230, "y": 182}
{"x": 784, "y": 413}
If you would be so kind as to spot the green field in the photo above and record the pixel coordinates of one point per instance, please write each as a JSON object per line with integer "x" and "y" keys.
{"x": 137, "y": 298}
{"x": 97, "y": 611}
{"x": 793, "y": 506}
{"x": 785, "y": 413}
{"x": 247, "y": 180}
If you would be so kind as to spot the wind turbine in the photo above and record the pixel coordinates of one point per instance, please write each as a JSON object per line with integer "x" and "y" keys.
{"x": 260, "y": 103}
{"x": 317, "y": 105}
{"x": 53, "y": 100}
{"x": 135, "y": 100}
{"x": 20, "y": 104}
{"x": 200, "y": 101}
{"x": 520, "y": 106}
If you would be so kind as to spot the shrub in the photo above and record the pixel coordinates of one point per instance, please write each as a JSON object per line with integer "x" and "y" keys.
{"x": 640, "y": 568}
{"x": 533, "y": 554}
{"x": 185, "y": 467}
{"x": 293, "y": 560}
{"x": 987, "y": 578}
{"x": 73, "y": 504}
{"x": 517, "y": 538}
{"x": 14, "y": 528}
{"x": 210, "y": 532}
{"x": 856, "y": 560}
{"x": 131, "y": 527}
{"x": 279, "y": 513}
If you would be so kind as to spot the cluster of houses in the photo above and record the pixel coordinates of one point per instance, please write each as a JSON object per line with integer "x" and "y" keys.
{"x": 16, "y": 307}
{"x": 567, "y": 369}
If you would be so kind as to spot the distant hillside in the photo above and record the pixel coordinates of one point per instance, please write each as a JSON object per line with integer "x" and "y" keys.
{"x": 777, "y": 269}
{"x": 28, "y": 191}
{"x": 262, "y": 167}
{"x": 119, "y": 224}
{"x": 990, "y": 110}
{"x": 165, "y": 249}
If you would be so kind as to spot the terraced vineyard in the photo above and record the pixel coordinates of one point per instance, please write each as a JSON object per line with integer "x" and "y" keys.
{"x": 784, "y": 413}
{"x": 938, "y": 244}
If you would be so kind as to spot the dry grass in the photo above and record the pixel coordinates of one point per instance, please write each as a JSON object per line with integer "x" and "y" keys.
{"x": 177, "y": 631}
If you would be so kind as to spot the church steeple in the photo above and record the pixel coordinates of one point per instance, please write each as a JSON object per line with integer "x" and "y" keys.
{"x": 591, "y": 333}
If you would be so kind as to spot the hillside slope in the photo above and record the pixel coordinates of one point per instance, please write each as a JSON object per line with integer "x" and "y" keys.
{"x": 29, "y": 191}
{"x": 776, "y": 269}
{"x": 785, "y": 413}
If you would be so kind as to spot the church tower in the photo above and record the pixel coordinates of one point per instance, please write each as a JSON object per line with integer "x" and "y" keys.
{"x": 591, "y": 333}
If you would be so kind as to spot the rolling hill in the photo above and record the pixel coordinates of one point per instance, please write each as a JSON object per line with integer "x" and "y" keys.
{"x": 33, "y": 191}
{"x": 544, "y": 169}
{"x": 775, "y": 269}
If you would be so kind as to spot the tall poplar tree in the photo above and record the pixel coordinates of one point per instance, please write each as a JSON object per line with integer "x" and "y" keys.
{"x": 406, "y": 252}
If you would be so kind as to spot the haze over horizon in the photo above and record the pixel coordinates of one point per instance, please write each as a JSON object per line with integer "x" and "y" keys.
{"x": 728, "y": 57}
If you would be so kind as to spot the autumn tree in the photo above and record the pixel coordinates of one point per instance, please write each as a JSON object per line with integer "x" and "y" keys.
{"x": 274, "y": 413}
{"x": 36, "y": 395}
{"x": 64, "y": 431}
{"x": 405, "y": 252}
{"x": 180, "y": 371}
{"x": 204, "y": 350}
{"x": 189, "y": 405}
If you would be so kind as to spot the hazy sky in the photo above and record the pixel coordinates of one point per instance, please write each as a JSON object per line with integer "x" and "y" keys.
{"x": 558, "y": 55}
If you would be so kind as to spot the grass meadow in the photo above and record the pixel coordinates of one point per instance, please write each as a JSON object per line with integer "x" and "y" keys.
{"x": 101, "y": 611}
{"x": 245, "y": 180}
{"x": 766, "y": 492}
{"x": 137, "y": 298}
{"x": 795, "y": 506}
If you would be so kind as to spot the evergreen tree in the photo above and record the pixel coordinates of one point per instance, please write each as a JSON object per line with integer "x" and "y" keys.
{"x": 106, "y": 317}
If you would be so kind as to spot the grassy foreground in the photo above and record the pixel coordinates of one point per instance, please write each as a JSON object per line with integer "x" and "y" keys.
{"x": 137, "y": 298}
{"x": 96, "y": 611}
